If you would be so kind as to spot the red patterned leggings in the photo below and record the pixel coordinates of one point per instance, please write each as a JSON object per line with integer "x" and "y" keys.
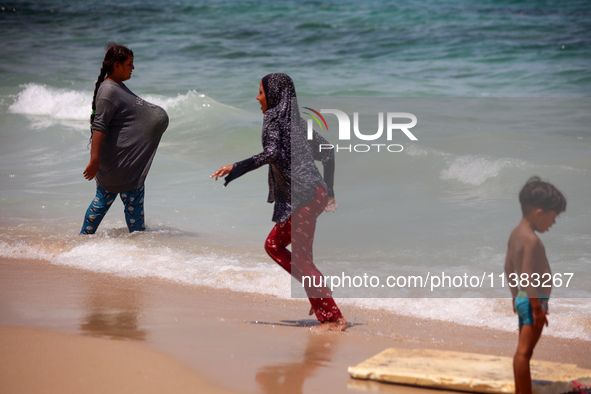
{"x": 303, "y": 224}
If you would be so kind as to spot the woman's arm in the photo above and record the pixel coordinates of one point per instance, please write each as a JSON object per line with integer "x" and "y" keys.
{"x": 270, "y": 154}
{"x": 271, "y": 149}
{"x": 326, "y": 156}
{"x": 95, "y": 152}
{"x": 329, "y": 167}
{"x": 105, "y": 110}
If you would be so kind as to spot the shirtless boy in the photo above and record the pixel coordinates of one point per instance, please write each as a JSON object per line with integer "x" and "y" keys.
{"x": 527, "y": 270}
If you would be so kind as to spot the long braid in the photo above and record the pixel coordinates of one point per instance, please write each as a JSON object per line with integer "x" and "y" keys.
{"x": 115, "y": 54}
{"x": 100, "y": 80}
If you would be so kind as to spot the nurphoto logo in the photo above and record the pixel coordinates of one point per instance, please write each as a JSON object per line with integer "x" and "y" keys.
{"x": 395, "y": 121}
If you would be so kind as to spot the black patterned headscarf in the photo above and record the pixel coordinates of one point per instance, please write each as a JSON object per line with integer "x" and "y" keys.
{"x": 291, "y": 184}
{"x": 281, "y": 95}
{"x": 276, "y": 138}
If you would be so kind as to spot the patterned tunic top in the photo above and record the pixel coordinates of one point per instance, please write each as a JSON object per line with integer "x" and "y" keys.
{"x": 293, "y": 176}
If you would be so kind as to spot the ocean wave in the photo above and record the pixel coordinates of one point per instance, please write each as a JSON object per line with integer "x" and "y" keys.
{"x": 475, "y": 170}
{"x": 127, "y": 256}
{"x": 58, "y": 104}
{"x": 47, "y": 105}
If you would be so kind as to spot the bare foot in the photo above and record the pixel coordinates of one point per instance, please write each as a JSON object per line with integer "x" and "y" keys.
{"x": 339, "y": 325}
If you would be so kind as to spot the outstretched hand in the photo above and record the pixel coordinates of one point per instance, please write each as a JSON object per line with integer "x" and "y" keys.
{"x": 332, "y": 205}
{"x": 222, "y": 172}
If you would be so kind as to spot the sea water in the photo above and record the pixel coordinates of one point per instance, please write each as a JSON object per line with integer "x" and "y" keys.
{"x": 445, "y": 204}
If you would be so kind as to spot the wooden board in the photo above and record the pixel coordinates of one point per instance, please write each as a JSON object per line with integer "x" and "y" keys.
{"x": 471, "y": 372}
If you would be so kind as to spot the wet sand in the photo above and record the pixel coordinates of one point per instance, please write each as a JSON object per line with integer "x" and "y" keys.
{"x": 212, "y": 339}
{"x": 35, "y": 361}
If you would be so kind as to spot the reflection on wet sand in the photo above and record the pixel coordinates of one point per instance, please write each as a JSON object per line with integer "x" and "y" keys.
{"x": 115, "y": 313}
{"x": 289, "y": 378}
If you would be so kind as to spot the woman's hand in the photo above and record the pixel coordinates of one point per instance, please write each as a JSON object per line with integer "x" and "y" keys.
{"x": 91, "y": 170}
{"x": 331, "y": 206}
{"x": 222, "y": 172}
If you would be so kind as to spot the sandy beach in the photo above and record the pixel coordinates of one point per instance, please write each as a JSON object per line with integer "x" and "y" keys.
{"x": 68, "y": 330}
{"x": 492, "y": 92}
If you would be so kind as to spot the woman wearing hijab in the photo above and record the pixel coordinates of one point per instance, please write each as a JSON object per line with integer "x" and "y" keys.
{"x": 296, "y": 187}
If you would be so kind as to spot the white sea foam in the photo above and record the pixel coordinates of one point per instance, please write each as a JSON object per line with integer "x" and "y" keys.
{"x": 47, "y": 105}
{"x": 491, "y": 313}
{"x": 476, "y": 170}
{"x": 123, "y": 257}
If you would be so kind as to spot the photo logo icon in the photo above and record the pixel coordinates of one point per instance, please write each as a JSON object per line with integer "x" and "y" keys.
{"x": 315, "y": 116}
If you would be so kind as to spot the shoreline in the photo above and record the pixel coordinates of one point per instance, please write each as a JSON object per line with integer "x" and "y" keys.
{"x": 243, "y": 342}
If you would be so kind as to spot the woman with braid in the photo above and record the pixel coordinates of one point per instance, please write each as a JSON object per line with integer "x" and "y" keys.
{"x": 126, "y": 131}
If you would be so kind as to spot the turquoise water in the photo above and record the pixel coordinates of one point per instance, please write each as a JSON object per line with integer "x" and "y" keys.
{"x": 446, "y": 203}
{"x": 410, "y": 48}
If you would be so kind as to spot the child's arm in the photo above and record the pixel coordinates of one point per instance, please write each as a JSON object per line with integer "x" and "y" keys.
{"x": 508, "y": 271}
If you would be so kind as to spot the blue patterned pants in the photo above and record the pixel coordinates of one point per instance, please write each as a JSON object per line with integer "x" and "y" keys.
{"x": 133, "y": 203}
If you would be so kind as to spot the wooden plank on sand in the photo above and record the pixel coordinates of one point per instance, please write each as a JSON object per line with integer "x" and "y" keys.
{"x": 478, "y": 373}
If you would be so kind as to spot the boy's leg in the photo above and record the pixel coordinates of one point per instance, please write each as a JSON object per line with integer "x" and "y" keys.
{"x": 133, "y": 203}
{"x": 528, "y": 338}
{"x": 97, "y": 209}
{"x": 529, "y": 334}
